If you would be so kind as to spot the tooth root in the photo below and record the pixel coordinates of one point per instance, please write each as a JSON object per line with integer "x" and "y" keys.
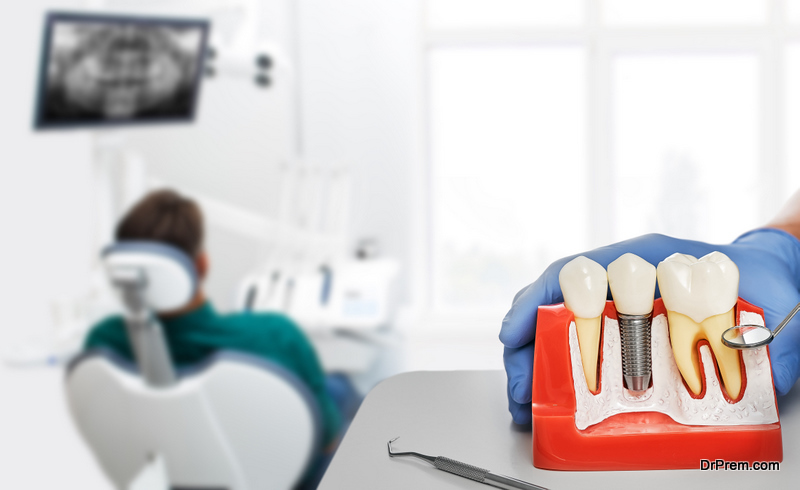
{"x": 588, "y": 330}
{"x": 727, "y": 358}
{"x": 684, "y": 333}
{"x": 584, "y": 283}
{"x": 700, "y": 296}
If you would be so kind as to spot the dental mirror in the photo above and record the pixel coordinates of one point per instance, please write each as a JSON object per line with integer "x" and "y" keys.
{"x": 752, "y": 336}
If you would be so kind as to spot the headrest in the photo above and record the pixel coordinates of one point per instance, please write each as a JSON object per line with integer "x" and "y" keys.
{"x": 167, "y": 275}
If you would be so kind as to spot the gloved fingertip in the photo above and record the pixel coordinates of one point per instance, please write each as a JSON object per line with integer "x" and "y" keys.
{"x": 515, "y": 334}
{"x": 513, "y": 339}
{"x": 520, "y": 393}
{"x": 509, "y": 315}
{"x": 521, "y": 414}
{"x": 505, "y": 336}
{"x": 782, "y": 379}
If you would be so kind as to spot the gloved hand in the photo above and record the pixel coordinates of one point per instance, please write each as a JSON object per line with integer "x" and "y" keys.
{"x": 769, "y": 277}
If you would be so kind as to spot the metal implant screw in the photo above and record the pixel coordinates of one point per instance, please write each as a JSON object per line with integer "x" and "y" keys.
{"x": 636, "y": 357}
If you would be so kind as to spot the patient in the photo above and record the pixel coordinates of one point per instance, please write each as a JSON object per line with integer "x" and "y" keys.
{"x": 197, "y": 330}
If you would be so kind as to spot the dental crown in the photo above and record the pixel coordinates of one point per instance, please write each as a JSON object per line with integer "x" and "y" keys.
{"x": 699, "y": 288}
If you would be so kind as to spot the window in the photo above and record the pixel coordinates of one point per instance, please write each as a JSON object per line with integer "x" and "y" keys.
{"x": 503, "y": 14}
{"x": 792, "y": 108}
{"x": 637, "y": 13}
{"x": 505, "y": 123}
{"x": 685, "y": 133}
{"x": 556, "y": 127}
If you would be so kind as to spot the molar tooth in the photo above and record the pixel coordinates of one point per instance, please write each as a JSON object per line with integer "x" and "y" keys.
{"x": 699, "y": 296}
{"x": 584, "y": 284}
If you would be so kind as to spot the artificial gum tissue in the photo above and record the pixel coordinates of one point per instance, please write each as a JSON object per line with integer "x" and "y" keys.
{"x": 668, "y": 394}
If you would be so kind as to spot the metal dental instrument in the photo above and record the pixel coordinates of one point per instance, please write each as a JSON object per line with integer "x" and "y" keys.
{"x": 468, "y": 471}
{"x": 637, "y": 364}
{"x": 752, "y": 336}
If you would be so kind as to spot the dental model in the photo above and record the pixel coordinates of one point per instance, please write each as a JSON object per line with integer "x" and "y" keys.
{"x": 702, "y": 400}
{"x": 584, "y": 285}
{"x": 699, "y": 296}
{"x": 633, "y": 283}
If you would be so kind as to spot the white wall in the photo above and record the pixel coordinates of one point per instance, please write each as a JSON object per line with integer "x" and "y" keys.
{"x": 232, "y": 152}
{"x": 45, "y": 189}
{"x": 46, "y": 210}
{"x": 359, "y": 79}
{"x": 357, "y": 60}
{"x": 357, "y": 64}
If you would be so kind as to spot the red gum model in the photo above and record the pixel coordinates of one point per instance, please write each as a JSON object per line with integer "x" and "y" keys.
{"x": 628, "y": 441}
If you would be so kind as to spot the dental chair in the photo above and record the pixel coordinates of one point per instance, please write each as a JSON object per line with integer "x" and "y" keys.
{"x": 233, "y": 422}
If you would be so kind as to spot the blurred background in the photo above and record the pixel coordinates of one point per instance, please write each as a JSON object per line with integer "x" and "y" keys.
{"x": 435, "y": 155}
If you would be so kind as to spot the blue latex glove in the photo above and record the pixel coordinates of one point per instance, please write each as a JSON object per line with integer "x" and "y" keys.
{"x": 769, "y": 277}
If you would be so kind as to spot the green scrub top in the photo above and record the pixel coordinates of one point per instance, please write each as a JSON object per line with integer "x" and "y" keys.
{"x": 195, "y": 335}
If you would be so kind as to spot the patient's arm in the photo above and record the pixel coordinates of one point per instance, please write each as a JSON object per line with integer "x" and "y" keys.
{"x": 788, "y": 218}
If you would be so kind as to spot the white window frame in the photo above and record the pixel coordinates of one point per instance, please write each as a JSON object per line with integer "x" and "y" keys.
{"x": 766, "y": 41}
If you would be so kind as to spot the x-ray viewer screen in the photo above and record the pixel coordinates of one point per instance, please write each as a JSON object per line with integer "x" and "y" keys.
{"x": 99, "y": 70}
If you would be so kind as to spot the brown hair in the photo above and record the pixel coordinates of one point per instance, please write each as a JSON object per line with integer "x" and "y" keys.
{"x": 165, "y": 216}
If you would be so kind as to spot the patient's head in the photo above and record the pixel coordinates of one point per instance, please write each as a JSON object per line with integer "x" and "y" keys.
{"x": 167, "y": 217}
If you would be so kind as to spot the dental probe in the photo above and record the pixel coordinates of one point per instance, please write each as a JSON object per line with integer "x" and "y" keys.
{"x": 468, "y": 471}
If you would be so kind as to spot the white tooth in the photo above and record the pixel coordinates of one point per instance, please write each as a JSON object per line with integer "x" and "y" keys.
{"x": 584, "y": 285}
{"x": 699, "y": 288}
{"x": 633, "y": 284}
{"x": 699, "y": 296}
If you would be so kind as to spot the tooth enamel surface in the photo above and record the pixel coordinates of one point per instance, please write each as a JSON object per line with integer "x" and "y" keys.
{"x": 584, "y": 284}
{"x": 633, "y": 284}
{"x": 699, "y": 296}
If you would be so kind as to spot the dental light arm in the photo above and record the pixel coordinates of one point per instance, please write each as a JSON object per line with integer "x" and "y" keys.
{"x": 150, "y": 278}
{"x": 769, "y": 266}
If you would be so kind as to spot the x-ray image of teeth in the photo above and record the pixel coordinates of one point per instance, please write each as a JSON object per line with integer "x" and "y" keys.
{"x": 116, "y": 71}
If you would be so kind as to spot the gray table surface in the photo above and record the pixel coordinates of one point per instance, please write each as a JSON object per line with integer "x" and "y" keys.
{"x": 463, "y": 415}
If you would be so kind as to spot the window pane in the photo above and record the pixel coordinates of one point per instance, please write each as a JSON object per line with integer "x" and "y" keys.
{"x": 508, "y": 165}
{"x": 453, "y": 14}
{"x": 672, "y": 12}
{"x": 792, "y": 182}
{"x": 793, "y": 11}
{"x": 685, "y": 145}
